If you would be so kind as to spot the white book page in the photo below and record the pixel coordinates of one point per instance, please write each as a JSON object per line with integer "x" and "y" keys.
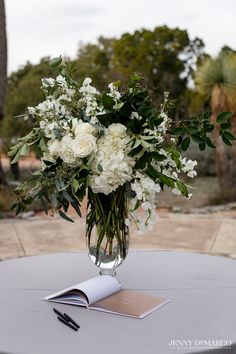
{"x": 94, "y": 289}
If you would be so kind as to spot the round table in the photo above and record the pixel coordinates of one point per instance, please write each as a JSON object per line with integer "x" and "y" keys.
{"x": 201, "y": 290}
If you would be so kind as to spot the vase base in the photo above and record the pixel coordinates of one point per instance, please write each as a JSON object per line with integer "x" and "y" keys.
{"x": 109, "y": 271}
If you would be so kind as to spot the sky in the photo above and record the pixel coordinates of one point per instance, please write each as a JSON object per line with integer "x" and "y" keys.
{"x": 38, "y": 28}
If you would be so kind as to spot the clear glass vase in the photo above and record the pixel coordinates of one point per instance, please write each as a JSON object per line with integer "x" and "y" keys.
{"x": 107, "y": 234}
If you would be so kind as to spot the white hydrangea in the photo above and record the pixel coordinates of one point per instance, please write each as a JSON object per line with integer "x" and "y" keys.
{"x": 112, "y": 166}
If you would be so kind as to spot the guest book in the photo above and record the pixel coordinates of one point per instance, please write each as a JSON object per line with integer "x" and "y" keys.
{"x": 104, "y": 293}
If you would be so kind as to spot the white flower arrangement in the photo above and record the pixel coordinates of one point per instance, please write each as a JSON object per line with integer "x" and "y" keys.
{"x": 107, "y": 142}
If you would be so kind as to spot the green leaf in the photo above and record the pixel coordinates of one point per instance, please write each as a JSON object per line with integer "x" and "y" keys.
{"x": 229, "y": 136}
{"x": 64, "y": 216}
{"x": 210, "y": 143}
{"x": 135, "y": 151}
{"x": 13, "y": 151}
{"x": 197, "y": 138}
{"x": 185, "y": 143}
{"x": 76, "y": 206}
{"x": 226, "y": 141}
{"x": 107, "y": 101}
{"x": 24, "y": 150}
{"x": 176, "y": 157}
{"x": 223, "y": 117}
{"x": 16, "y": 158}
{"x": 209, "y": 128}
{"x": 67, "y": 196}
{"x": 48, "y": 163}
{"x": 60, "y": 185}
{"x": 141, "y": 163}
{"x": 178, "y": 131}
{"x": 106, "y": 119}
{"x": 202, "y": 145}
{"x": 167, "y": 181}
{"x": 182, "y": 188}
{"x": 192, "y": 129}
{"x": 207, "y": 115}
{"x": 158, "y": 157}
{"x": 54, "y": 62}
{"x": 136, "y": 144}
{"x": 42, "y": 144}
{"x": 75, "y": 185}
{"x": 225, "y": 126}
{"x": 151, "y": 172}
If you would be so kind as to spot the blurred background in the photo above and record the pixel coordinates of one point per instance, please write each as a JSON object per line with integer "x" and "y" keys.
{"x": 186, "y": 48}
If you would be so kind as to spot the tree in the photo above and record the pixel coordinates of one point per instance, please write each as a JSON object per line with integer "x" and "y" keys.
{"x": 95, "y": 61}
{"x": 23, "y": 90}
{"x": 165, "y": 57}
{"x": 216, "y": 78}
{"x": 3, "y": 71}
{"x": 3, "y": 56}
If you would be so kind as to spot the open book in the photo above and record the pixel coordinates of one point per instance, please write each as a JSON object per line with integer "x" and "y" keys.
{"x": 104, "y": 293}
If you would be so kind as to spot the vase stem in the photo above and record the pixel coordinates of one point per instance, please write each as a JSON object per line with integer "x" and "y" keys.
{"x": 108, "y": 271}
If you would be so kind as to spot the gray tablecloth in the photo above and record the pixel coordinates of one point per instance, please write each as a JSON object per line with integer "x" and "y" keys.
{"x": 201, "y": 289}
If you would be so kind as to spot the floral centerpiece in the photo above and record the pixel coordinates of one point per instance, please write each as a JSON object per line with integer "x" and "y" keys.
{"x": 116, "y": 149}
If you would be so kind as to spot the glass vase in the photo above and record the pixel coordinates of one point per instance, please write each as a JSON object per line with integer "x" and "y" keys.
{"x": 107, "y": 233}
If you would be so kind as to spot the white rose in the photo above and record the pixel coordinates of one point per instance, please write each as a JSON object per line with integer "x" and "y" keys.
{"x": 83, "y": 128}
{"x": 84, "y": 145}
{"x": 117, "y": 129}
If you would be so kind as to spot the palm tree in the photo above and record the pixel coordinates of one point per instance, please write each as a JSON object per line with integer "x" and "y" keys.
{"x": 3, "y": 70}
{"x": 216, "y": 79}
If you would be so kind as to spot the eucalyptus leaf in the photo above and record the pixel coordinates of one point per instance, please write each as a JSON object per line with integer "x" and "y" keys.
{"x": 64, "y": 216}
{"x": 55, "y": 62}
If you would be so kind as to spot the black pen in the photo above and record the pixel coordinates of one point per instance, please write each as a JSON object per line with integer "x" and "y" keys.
{"x": 61, "y": 319}
{"x": 60, "y": 314}
{"x": 69, "y": 319}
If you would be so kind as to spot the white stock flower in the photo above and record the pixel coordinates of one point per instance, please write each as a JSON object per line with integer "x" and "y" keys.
{"x": 86, "y": 88}
{"x": 114, "y": 93}
{"x": 146, "y": 190}
{"x": 188, "y": 167}
{"x": 61, "y": 80}
{"x": 135, "y": 115}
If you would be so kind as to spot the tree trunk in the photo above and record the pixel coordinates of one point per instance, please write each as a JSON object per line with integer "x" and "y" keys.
{"x": 225, "y": 157}
{"x": 3, "y": 57}
{"x": 3, "y": 71}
